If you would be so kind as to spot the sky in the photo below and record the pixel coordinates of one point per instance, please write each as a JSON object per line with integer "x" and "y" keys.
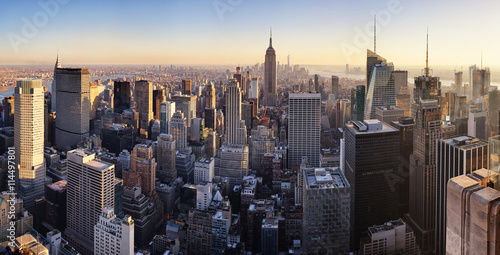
{"x": 213, "y": 32}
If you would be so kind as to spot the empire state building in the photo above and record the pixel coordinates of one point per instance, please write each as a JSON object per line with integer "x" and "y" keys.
{"x": 270, "y": 95}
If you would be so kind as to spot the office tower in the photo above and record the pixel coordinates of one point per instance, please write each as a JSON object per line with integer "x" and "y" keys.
{"x": 448, "y": 107}
{"x": 8, "y": 111}
{"x": 381, "y": 91}
{"x": 304, "y": 128}
{"x": 142, "y": 172}
{"x": 211, "y": 143}
{"x": 261, "y": 142}
{"x": 143, "y": 99}
{"x": 358, "y": 103}
{"x": 210, "y": 118}
{"x": 29, "y": 141}
{"x": 372, "y": 59}
{"x": 455, "y": 156}
{"x": 204, "y": 170}
{"x": 403, "y": 100}
{"x": 477, "y": 124}
{"x": 199, "y": 232}
{"x": 389, "y": 114}
{"x": 393, "y": 237}
{"x": 178, "y": 129}
{"x": 405, "y": 127}
{"x": 232, "y": 162}
{"x": 325, "y": 230}
{"x": 344, "y": 112}
{"x": 158, "y": 98}
{"x": 186, "y": 87}
{"x": 124, "y": 159}
{"x": 55, "y": 204}
{"x": 90, "y": 189}
{"x": 210, "y": 96}
{"x": 400, "y": 80}
{"x": 118, "y": 137}
{"x": 221, "y": 224}
{"x": 471, "y": 214}
{"x": 73, "y": 106}
{"x": 184, "y": 164}
{"x": 197, "y": 127}
{"x": 335, "y": 85}
{"x": 146, "y": 213}
{"x": 121, "y": 96}
{"x": 165, "y": 153}
{"x": 254, "y": 88}
{"x": 269, "y": 235}
{"x": 316, "y": 83}
{"x": 131, "y": 117}
{"x": 458, "y": 88}
{"x": 187, "y": 105}
{"x": 426, "y": 133}
{"x": 461, "y": 125}
{"x": 480, "y": 82}
{"x": 270, "y": 95}
{"x": 118, "y": 197}
{"x": 371, "y": 155}
{"x": 258, "y": 210}
{"x": 155, "y": 130}
{"x": 94, "y": 99}
{"x": 113, "y": 235}
{"x": 235, "y": 132}
{"x": 167, "y": 109}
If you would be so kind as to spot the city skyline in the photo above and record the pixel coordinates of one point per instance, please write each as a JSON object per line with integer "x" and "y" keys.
{"x": 116, "y": 33}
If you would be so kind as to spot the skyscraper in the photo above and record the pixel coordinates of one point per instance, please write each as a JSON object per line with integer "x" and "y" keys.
{"x": 480, "y": 82}
{"x": 335, "y": 85}
{"x": 371, "y": 157}
{"x": 455, "y": 156}
{"x": 29, "y": 141}
{"x": 459, "y": 88}
{"x": 304, "y": 128}
{"x": 121, "y": 96}
{"x": 232, "y": 162}
{"x": 270, "y": 79}
{"x": 187, "y": 105}
{"x": 112, "y": 235}
{"x": 358, "y": 103}
{"x": 90, "y": 189}
{"x": 186, "y": 87}
{"x": 142, "y": 172}
{"x": 400, "y": 80}
{"x": 316, "y": 83}
{"x": 325, "y": 230}
{"x": 178, "y": 129}
{"x": 372, "y": 59}
{"x": 166, "y": 158}
{"x": 210, "y": 96}
{"x": 167, "y": 109}
{"x": 158, "y": 98}
{"x": 73, "y": 106}
{"x": 235, "y": 130}
{"x": 426, "y": 133}
{"x": 143, "y": 99}
{"x": 381, "y": 90}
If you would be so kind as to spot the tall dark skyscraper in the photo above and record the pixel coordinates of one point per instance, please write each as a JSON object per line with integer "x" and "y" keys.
{"x": 427, "y": 131}
{"x": 158, "y": 98}
{"x": 316, "y": 83}
{"x": 270, "y": 93}
{"x": 358, "y": 103}
{"x": 143, "y": 99}
{"x": 371, "y": 156}
{"x": 73, "y": 106}
{"x": 121, "y": 96}
{"x": 335, "y": 85}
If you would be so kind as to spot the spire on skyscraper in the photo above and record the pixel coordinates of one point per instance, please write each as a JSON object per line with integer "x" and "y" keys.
{"x": 375, "y": 34}
{"x": 271, "y": 37}
{"x": 58, "y": 64}
{"x": 427, "y": 55}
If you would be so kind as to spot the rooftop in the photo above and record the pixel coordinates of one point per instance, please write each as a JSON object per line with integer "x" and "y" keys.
{"x": 58, "y": 186}
{"x": 324, "y": 178}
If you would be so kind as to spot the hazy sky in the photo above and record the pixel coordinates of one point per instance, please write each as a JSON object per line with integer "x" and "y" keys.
{"x": 237, "y": 31}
